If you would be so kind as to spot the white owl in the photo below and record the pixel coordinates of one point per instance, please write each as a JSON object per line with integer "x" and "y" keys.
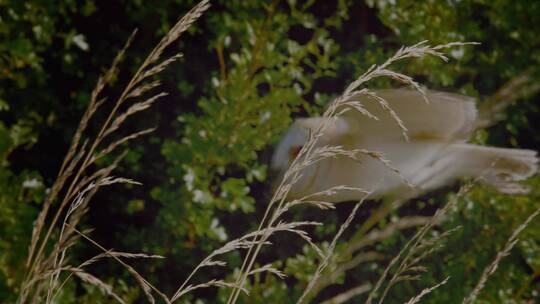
{"x": 436, "y": 154}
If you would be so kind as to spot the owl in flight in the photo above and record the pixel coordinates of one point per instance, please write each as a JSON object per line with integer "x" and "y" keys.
{"x": 436, "y": 153}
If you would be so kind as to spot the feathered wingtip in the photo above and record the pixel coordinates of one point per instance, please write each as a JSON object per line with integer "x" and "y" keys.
{"x": 512, "y": 166}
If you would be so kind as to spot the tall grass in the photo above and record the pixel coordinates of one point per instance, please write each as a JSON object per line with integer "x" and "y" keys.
{"x": 75, "y": 184}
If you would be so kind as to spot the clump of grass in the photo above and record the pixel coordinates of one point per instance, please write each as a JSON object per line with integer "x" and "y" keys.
{"x": 492, "y": 267}
{"x": 413, "y": 252}
{"x": 76, "y": 185}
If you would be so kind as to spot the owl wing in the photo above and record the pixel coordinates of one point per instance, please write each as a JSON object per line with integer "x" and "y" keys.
{"x": 447, "y": 116}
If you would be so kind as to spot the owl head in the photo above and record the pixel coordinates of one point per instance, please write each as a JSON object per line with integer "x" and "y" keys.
{"x": 298, "y": 135}
{"x": 286, "y": 152}
{"x": 293, "y": 141}
{"x": 289, "y": 147}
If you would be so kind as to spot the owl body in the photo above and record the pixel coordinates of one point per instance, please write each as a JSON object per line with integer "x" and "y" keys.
{"x": 435, "y": 154}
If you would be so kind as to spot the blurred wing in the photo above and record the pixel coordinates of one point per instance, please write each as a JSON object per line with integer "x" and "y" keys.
{"x": 447, "y": 116}
{"x": 335, "y": 128}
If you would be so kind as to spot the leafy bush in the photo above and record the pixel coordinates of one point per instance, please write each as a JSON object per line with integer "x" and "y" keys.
{"x": 249, "y": 68}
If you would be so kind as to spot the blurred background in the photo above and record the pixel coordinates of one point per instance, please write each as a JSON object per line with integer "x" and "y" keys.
{"x": 249, "y": 68}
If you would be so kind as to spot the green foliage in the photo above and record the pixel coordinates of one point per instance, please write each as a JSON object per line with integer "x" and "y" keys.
{"x": 249, "y": 68}
{"x": 215, "y": 156}
{"x": 19, "y": 191}
{"x": 27, "y": 30}
{"x": 487, "y": 219}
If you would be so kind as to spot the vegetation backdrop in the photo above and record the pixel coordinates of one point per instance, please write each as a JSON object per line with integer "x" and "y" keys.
{"x": 248, "y": 69}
